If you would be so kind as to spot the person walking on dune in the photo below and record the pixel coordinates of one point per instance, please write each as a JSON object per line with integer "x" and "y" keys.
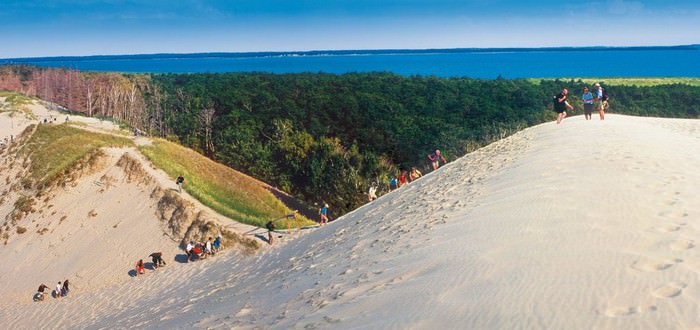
{"x": 560, "y": 105}
{"x": 180, "y": 181}
{"x": 414, "y": 174}
{"x": 323, "y": 213}
{"x": 372, "y": 193}
{"x": 217, "y": 244}
{"x": 587, "y": 98}
{"x": 435, "y": 159}
{"x": 601, "y": 100}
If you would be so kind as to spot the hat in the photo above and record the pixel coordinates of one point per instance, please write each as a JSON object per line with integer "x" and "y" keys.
{"x": 326, "y": 205}
{"x": 596, "y": 85}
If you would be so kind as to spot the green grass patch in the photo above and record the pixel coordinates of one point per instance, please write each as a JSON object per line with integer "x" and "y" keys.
{"x": 16, "y": 103}
{"x": 53, "y": 149}
{"x": 225, "y": 190}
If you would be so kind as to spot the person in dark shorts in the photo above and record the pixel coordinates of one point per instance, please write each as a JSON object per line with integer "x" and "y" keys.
{"x": 587, "y": 98}
{"x": 65, "y": 289}
{"x": 270, "y": 225}
{"x": 180, "y": 181}
{"x": 39, "y": 296}
{"x": 157, "y": 259}
{"x": 560, "y": 105}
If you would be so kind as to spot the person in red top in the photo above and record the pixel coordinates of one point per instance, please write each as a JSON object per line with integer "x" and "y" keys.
{"x": 140, "y": 267}
{"x": 403, "y": 179}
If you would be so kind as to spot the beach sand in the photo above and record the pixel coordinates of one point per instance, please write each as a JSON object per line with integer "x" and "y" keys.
{"x": 588, "y": 224}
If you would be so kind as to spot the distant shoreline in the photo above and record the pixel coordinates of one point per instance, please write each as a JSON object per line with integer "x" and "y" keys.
{"x": 349, "y": 52}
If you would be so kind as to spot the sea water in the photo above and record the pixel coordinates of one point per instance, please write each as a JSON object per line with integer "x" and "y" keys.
{"x": 481, "y": 63}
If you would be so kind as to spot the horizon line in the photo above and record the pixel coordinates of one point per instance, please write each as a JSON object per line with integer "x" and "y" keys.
{"x": 387, "y": 51}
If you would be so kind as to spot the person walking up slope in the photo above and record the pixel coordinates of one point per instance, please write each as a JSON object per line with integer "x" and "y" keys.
{"x": 180, "y": 181}
{"x": 560, "y": 105}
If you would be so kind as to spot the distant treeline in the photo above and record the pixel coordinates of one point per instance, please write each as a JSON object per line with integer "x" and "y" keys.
{"x": 325, "y": 137}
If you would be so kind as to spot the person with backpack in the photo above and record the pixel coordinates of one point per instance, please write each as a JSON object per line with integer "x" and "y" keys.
{"x": 39, "y": 296}
{"x": 601, "y": 100}
{"x": 560, "y": 105}
{"x": 157, "y": 259}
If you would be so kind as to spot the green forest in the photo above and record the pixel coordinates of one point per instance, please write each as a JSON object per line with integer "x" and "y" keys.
{"x": 325, "y": 138}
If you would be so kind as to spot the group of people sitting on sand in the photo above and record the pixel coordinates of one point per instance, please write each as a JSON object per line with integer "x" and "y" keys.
{"x": 201, "y": 250}
{"x": 62, "y": 290}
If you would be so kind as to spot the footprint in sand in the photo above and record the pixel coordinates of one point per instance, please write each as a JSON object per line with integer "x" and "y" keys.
{"x": 669, "y": 290}
{"x": 646, "y": 265}
{"x": 668, "y": 228}
{"x": 682, "y": 244}
{"x": 617, "y": 311}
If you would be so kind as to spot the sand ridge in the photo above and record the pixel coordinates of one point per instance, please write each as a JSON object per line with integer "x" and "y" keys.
{"x": 582, "y": 225}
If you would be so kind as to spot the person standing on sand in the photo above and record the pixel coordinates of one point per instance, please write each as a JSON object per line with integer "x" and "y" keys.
{"x": 180, "y": 181}
{"x": 601, "y": 100}
{"x": 58, "y": 289}
{"x": 323, "y": 213}
{"x": 587, "y": 98}
{"x": 188, "y": 250}
{"x": 560, "y": 105}
{"x": 435, "y": 159}
{"x": 270, "y": 225}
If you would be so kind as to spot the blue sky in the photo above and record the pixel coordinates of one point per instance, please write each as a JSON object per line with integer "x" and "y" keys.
{"x": 85, "y": 27}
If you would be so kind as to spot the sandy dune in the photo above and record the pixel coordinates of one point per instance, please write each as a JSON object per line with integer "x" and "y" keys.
{"x": 582, "y": 225}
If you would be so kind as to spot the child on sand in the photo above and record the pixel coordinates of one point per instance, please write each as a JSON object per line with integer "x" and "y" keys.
{"x": 140, "y": 267}
{"x": 57, "y": 292}
{"x": 372, "y": 194}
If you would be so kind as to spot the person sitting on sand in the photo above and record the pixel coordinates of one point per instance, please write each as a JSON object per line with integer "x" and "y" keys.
{"x": 217, "y": 244}
{"x": 188, "y": 250}
{"x": 65, "y": 289}
{"x": 157, "y": 259}
{"x": 198, "y": 251}
{"x": 435, "y": 159}
{"x": 57, "y": 292}
{"x": 208, "y": 247}
{"x": 414, "y": 174}
{"x": 140, "y": 267}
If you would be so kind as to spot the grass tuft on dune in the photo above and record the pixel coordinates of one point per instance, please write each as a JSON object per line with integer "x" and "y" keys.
{"x": 54, "y": 149}
{"x": 225, "y": 190}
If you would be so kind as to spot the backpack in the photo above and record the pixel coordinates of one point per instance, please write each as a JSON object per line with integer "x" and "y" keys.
{"x": 605, "y": 94}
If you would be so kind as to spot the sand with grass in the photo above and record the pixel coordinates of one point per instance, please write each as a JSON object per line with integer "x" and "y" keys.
{"x": 588, "y": 224}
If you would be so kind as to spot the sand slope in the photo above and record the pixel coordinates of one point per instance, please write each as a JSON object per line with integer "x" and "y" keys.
{"x": 583, "y": 225}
